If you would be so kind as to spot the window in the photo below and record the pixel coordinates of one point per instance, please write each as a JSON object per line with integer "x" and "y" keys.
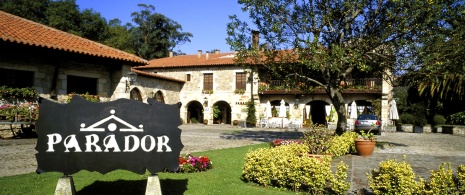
{"x": 208, "y": 81}
{"x": 135, "y": 95}
{"x": 16, "y": 78}
{"x": 159, "y": 97}
{"x": 241, "y": 80}
{"x": 188, "y": 77}
{"x": 81, "y": 85}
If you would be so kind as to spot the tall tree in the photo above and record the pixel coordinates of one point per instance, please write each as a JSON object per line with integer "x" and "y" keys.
{"x": 119, "y": 36}
{"x": 93, "y": 26}
{"x": 64, "y": 15}
{"x": 30, "y": 9}
{"x": 440, "y": 55}
{"x": 154, "y": 34}
{"x": 321, "y": 42}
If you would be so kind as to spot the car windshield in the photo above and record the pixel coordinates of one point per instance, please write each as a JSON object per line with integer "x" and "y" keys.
{"x": 367, "y": 117}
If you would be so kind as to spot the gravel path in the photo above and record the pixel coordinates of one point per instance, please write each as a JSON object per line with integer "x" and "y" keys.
{"x": 17, "y": 155}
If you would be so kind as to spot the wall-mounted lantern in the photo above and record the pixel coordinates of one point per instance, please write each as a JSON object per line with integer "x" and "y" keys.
{"x": 205, "y": 102}
{"x": 132, "y": 76}
{"x": 296, "y": 103}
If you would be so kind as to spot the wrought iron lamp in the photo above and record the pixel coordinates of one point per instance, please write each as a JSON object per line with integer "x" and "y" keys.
{"x": 132, "y": 76}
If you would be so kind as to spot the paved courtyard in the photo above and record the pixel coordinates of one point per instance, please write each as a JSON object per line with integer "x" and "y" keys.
{"x": 423, "y": 151}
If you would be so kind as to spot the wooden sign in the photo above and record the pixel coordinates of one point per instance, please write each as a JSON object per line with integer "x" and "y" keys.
{"x": 103, "y": 137}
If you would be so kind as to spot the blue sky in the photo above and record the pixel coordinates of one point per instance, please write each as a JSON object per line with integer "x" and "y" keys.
{"x": 206, "y": 19}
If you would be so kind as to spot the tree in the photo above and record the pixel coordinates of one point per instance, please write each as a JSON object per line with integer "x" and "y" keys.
{"x": 119, "y": 36}
{"x": 322, "y": 42}
{"x": 155, "y": 35}
{"x": 440, "y": 53}
{"x": 93, "y": 26}
{"x": 64, "y": 15}
{"x": 30, "y": 9}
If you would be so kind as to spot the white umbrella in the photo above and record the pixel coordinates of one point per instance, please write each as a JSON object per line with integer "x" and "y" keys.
{"x": 268, "y": 110}
{"x": 328, "y": 109}
{"x": 307, "y": 110}
{"x": 353, "y": 110}
{"x": 282, "y": 109}
{"x": 393, "y": 115}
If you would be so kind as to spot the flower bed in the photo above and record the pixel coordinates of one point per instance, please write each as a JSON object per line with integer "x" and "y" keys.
{"x": 190, "y": 163}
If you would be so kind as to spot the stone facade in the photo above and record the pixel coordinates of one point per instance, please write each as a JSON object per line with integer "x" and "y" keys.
{"x": 224, "y": 79}
{"x": 109, "y": 77}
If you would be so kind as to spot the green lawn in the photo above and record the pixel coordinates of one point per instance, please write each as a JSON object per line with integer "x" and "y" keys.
{"x": 224, "y": 178}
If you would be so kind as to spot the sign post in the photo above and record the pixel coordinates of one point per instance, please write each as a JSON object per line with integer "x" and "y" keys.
{"x": 103, "y": 137}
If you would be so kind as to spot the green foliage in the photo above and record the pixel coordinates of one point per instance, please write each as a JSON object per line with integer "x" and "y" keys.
{"x": 317, "y": 138}
{"x": 398, "y": 178}
{"x": 251, "y": 118}
{"x": 407, "y": 119}
{"x": 457, "y": 118}
{"x": 10, "y": 93}
{"x": 288, "y": 166}
{"x": 323, "y": 42}
{"x": 366, "y": 136}
{"x": 461, "y": 178}
{"x": 442, "y": 180}
{"x": 342, "y": 144}
{"x": 30, "y": 9}
{"x": 439, "y": 119}
{"x": 155, "y": 35}
{"x": 86, "y": 96}
{"x": 194, "y": 120}
{"x": 216, "y": 111}
{"x": 393, "y": 178}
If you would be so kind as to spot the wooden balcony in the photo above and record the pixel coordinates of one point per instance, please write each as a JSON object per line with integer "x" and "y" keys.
{"x": 363, "y": 85}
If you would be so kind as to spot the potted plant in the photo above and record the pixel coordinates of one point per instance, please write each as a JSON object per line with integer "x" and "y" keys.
{"x": 365, "y": 143}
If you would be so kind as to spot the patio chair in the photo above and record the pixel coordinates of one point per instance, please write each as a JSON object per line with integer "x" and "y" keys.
{"x": 263, "y": 123}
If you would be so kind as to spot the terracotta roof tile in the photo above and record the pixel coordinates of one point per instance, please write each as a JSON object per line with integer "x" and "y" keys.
{"x": 23, "y": 31}
{"x": 156, "y": 76}
{"x": 191, "y": 61}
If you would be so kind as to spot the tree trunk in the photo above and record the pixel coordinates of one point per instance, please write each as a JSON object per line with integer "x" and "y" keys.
{"x": 339, "y": 105}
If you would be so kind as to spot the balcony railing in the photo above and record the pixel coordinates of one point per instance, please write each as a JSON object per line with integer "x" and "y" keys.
{"x": 355, "y": 84}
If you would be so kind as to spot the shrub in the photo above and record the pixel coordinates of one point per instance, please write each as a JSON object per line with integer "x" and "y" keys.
{"x": 439, "y": 119}
{"x": 283, "y": 142}
{"x": 442, "y": 180}
{"x": 398, "y": 178}
{"x": 288, "y": 166}
{"x": 317, "y": 138}
{"x": 194, "y": 120}
{"x": 461, "y": 179}
{"x": 457, "y": 118}
{"x": 420, "y": 121}
{"x": 407, "y": 119}
{"x": 343, "y": 144}
{"x": 393, "y": 178}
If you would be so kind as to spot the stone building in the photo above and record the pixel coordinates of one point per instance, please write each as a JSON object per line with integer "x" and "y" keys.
{"x": 57, "y": 63}
{"x": 213, "y": 80}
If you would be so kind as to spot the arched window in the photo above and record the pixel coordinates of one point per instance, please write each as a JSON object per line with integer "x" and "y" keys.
{"x": 159, "y": 97}
{"x": 135, "y": 95}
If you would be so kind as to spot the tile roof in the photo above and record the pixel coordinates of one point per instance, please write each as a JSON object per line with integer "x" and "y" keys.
{"x": 214, "y": 59}
{"x": 139, "y": 72}
{"x": 23, "y": 31}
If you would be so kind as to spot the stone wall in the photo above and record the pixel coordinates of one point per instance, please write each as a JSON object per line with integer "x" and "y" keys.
{"x": 109, "y": 76}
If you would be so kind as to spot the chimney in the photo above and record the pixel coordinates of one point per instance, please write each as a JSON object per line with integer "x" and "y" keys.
{"x": 207, "y": 55}
{"x": 171, "y": 54}
{"x": 255, "y": 36}
{"x": 199, "y": 53}
{"x": 217, "y": 51}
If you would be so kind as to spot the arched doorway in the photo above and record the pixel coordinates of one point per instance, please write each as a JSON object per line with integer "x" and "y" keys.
{"x": 194, "y": 112}
{"x": 224, "y": 115}
{"x": 317, "y": 111}
{"x": 135, "y": 95}
{"x": 159, "y": 97}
